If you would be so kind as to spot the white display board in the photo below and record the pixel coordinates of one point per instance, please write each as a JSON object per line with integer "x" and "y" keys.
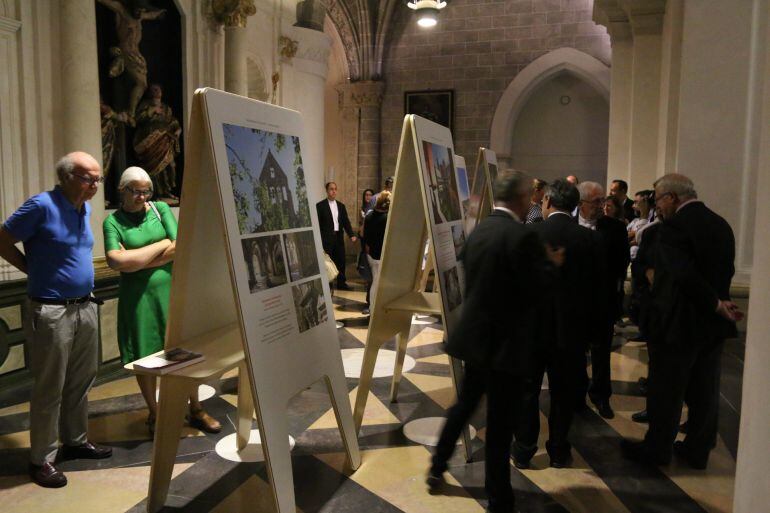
{"x": 444, "y": 212}
{"x": 251, "y": 255}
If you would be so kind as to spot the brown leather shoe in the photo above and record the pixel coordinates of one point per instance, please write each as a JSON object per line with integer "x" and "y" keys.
{"x": 47, "y": 475}
{"x": 87, "y": 451}
{"x": 199, "y": 419}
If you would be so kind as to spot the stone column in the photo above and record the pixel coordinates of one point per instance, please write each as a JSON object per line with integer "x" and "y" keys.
{"x": 304, "y": 66}
{"x": 233, "y": 16}
{"x": 671, "y": 64}
{"x": 361, "y": 102}
{"x": 236, "y": 78}
{"x": 752, "y": 476}
{"x": 80, "y": 126}
{"x": 645, "y": 101}
{"x": 619, "y": 143}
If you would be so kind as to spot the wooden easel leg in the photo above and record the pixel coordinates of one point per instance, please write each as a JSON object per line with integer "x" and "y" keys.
{"x": 171, "y": 408}
{"x": 338, "y": 393}
{"x": 245, "y": 407}
{"x": 401, "y": 340}
{"x": 456, "y": 371}
{"x": 274, "y": 431}
{"x": 365, "y": 383}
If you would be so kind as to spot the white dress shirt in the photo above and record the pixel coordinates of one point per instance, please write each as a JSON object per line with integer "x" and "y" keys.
{"x": 582, "y": 221}
{"x": 335, "y": 214}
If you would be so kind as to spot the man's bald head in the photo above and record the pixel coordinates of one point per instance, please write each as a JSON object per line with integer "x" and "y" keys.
{"x": 75, "y": 160}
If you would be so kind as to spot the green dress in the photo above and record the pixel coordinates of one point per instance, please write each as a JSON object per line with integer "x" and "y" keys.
{"x": 143, "y": 297}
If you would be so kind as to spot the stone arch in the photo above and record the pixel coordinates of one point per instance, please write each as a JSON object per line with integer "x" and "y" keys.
{"x": 257, "y": 82}
{"x": 545, "y": 67}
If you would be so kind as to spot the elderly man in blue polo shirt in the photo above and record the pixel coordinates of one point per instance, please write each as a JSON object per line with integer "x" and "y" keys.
{"x": 61, "y": 322}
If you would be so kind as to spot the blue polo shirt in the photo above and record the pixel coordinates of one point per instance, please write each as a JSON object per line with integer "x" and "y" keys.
{"x": 58, "y": 244}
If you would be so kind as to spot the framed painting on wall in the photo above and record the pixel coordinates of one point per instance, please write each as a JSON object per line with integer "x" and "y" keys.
{"x": 437, "y": 106}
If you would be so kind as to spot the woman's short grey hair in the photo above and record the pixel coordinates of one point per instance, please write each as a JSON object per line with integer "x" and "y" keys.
{"x": 510, "y": 184}
{"x": 133, "y": 174}
{"x": 676, "y": 184}
{"x": 64, "y": 167}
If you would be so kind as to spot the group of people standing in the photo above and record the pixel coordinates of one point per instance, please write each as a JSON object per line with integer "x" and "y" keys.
{"x": 61, "y": 319}
{"x": 333, "y": 222}
{"x": 558, "y": 291}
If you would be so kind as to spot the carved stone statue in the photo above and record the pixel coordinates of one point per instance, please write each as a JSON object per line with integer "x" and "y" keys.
{"x": 128, "y": 59}
{"x": 110, "y": 120}
{"x": 156, "y": 141}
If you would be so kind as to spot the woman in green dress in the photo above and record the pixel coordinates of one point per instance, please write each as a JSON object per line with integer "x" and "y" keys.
{"x": 140, "y": 241}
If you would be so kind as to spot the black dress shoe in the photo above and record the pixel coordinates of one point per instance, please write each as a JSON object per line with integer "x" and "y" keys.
{"x": 604, "y": 409}
{"x": 561, "y": 462}
{"x": 641, "y": 416}
{"x": 521, "y": 464}
{"x": 434, "y": 481}
{"x": 696, "y": 462}
{"x": 638, "y": 451}
{"x": 47, "y": 476}
{"x": 86, "y": 451}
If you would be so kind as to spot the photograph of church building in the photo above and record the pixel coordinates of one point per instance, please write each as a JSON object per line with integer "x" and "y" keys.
{"x": 268, "y": 179}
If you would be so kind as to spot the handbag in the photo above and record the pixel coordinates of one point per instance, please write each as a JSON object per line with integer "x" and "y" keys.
{"x": 362, "y": 266}
{"x": 331, "y": 268}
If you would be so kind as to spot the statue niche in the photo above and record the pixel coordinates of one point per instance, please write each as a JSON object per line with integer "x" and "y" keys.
{"x": 140, "y": 81}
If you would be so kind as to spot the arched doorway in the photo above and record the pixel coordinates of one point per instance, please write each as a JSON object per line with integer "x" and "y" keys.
{"x": 553, "y": 118}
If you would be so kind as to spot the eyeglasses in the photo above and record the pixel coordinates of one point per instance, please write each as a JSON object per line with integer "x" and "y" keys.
{"x": 89, "y": 181}
{"x": 140, "y": 192}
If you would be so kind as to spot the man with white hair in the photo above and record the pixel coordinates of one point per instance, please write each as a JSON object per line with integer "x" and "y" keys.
{"x": 61, "y": 323}
{"x": 615, "y": 247}
{"x": 691, "y": 316}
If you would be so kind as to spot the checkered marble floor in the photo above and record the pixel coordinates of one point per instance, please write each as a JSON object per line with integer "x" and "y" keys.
{"x": 391, "y": 477}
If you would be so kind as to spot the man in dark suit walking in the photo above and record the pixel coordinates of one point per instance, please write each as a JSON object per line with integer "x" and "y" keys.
{"x": 497, "y": 335}
{"x": 614, "y": 241}
{"x": 332, "y": 220}
{"x": 575, "y": 295}
{"x": 691, "y": 315}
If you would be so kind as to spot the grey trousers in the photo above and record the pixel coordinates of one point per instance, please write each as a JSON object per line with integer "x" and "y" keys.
{"x": 62, "y": 347}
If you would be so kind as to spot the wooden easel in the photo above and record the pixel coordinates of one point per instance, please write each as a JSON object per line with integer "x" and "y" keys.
{"x": 401, "y": 291}
{"x": 212, "y": 312}
{"x": 482, "y": 183}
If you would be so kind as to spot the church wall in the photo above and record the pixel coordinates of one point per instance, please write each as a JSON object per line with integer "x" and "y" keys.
{"x": 551, "y": 138}
{"x": 477, "y": 49}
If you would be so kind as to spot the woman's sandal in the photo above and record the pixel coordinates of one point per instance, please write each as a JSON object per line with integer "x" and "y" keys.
{"x": 199, "y": 419}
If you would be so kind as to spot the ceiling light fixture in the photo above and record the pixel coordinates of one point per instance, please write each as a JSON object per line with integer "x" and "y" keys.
{"x": 427, "y": 11}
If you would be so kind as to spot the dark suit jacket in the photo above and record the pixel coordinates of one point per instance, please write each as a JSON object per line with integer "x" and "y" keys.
{"x": 694, "y": 265}
{"x": 617, "y": 256}
{"x": 628, "y": 210}
{"x": 505, "y": 275}
{"x": 326, "y": 223}
{"x": 577, "y": 296}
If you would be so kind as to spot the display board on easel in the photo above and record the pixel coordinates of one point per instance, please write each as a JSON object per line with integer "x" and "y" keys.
{"x": 481, "y": 197}
{"x": 249, "y": 259}
{"x": 425, "y": 183}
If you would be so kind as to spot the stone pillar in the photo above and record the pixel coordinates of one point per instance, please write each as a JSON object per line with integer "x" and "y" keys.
{"x": 81, "y": 128}
{"x": 645, "y": 101}
{"x": 361, "y": 102}
{"x": 304, "y": 68}
{"x": 619, "y": 140}
{"x": 236, "y": 77}
{"x": 752, "y": 476}
{"x": 233, "y": 16}
{"x": 671, "y": 64}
